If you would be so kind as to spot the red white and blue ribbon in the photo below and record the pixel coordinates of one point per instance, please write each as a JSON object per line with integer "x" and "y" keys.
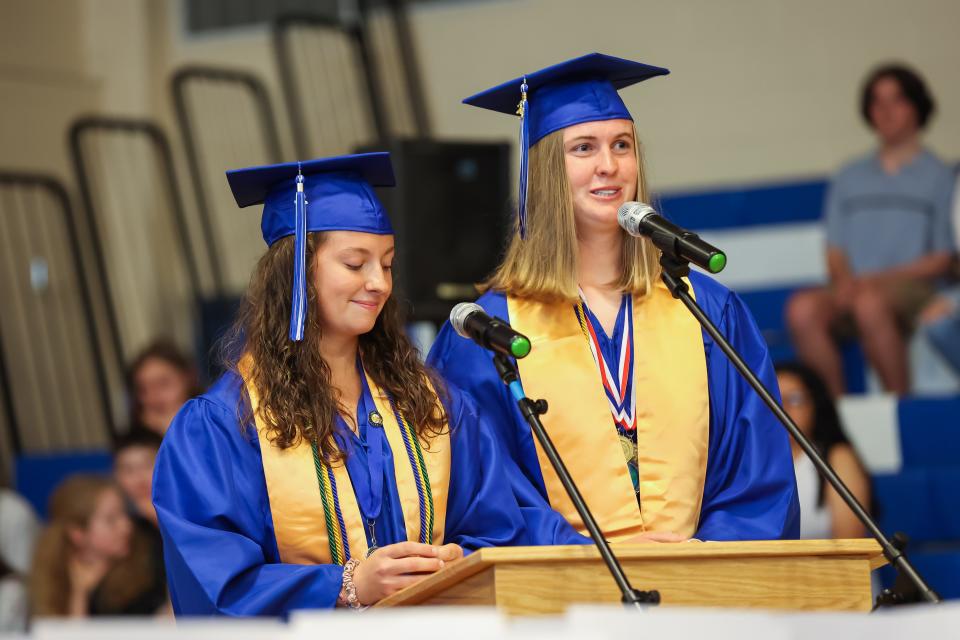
{"x": 617, "y": 377}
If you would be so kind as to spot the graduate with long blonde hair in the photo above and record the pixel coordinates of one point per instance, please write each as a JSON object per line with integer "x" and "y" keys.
{"x": 663, "y": 437}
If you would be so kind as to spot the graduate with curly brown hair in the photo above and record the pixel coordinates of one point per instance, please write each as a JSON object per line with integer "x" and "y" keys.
{"x": 329, "y": 466}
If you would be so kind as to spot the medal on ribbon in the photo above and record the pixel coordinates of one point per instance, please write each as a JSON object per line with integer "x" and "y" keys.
{"x": 618, "y": 379}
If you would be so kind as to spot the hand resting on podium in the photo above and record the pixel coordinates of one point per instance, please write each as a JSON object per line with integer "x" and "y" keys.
{"x": 393, "y": 567}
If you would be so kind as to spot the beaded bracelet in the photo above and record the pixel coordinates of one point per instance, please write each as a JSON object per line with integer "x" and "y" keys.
{"x": 348, "y": 592}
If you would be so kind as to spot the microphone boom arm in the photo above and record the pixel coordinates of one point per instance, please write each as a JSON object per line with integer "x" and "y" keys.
{"x": 672, "y": 275}
{"x": 531, "y": 411}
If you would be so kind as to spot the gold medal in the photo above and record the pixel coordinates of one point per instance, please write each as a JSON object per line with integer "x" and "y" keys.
{"x": 629, "y": 449}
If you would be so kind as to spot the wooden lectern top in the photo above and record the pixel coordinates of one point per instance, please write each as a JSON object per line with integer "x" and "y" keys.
{"x": 667, "y": 567}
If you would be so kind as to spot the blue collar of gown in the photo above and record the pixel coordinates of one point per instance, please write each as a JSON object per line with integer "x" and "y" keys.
{"x": 367, "y": 478}
{"x": 610, "y": 345}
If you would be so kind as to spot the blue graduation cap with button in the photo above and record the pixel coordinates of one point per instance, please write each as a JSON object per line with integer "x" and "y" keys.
{"x": 328, "y": 194}
{"x": 580, "y": 90}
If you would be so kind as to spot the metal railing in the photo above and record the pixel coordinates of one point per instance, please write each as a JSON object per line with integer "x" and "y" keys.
{"x": 329, "y": 86}
{"x": 226, "y": 121}
{"x": 389, "y": 39}
{"x": 53, "y": 385}
{"x": 140, "y": 233}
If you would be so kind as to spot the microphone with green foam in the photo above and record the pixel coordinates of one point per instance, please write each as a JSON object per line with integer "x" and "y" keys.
{"x": 470, "y": 321}
{"x": 639, "y": 219}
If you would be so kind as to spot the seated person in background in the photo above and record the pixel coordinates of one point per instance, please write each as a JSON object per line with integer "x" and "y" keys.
{"x": 18, "y": 532}
{"x": 940, "y": 320}
{"x": 134, "y": 454}
{"x": 14, "y": 603}
{"x": 889, "y": 239}
{"x": 160, "y": 380}
{"x": 88, "y": 560}
{"x": 823, "y": 512}
{"x": 19, "y": 529}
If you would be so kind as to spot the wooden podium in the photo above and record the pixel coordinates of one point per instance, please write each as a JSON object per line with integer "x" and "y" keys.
{"x": 794, "y": 574}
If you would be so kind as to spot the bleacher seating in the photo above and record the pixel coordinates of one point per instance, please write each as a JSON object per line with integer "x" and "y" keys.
{"x": 767, "y": 306}
{"x": 37, "y": 475}
{"x": 911, "y": 446}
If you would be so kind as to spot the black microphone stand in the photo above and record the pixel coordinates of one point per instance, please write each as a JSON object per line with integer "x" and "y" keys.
{"x": 532, "y": 410}
{"x": 674, "y": 269}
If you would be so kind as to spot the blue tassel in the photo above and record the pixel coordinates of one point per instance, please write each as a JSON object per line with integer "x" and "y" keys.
{"x": 524, "y": 111}
{"x": 298, "y": 308}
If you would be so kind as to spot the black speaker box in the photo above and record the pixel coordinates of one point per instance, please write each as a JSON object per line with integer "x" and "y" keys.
{"x": 451, "y": 210}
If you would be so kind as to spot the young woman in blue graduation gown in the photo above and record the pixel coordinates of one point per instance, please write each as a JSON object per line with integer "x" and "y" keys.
{"x": 664, "y": 438}
{"x": 328, "y": 466}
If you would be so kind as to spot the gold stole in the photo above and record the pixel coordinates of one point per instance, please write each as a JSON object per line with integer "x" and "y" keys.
{"x": 673, "y": 415}
{"x": 299, "y": 517}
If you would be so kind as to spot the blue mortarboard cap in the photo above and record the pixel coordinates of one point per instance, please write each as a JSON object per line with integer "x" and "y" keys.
{"x": 580, "y": 90}
{"x": 328, "y": 194}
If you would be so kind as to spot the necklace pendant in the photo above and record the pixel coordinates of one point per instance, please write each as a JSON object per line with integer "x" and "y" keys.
{"x": 373, "y": 537}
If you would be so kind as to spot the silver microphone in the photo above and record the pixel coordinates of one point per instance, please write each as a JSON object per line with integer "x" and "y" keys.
{"x": 470, "y": 321}
{"x": 630, "y": 214}
{"x": 458, "y": 315}
{"x": 640, "y": 219}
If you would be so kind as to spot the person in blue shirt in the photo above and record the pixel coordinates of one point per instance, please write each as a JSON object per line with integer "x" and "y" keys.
{"x": 890, "y": 239}
{"x": 328, "y": 466}
{"x": 665, "y": 440}
{"x": 940, "y": 319}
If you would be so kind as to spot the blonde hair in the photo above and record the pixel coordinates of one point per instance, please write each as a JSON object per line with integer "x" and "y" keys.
{"x": 543, "y": 266}
{"x": 71, "y": 506}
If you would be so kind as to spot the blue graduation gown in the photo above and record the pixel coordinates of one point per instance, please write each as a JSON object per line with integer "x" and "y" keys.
{"x": 214, "y": 512}
{"x": 750, "y": 490}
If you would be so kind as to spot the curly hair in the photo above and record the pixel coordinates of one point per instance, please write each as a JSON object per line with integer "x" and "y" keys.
{"x": 296, "y": 399}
